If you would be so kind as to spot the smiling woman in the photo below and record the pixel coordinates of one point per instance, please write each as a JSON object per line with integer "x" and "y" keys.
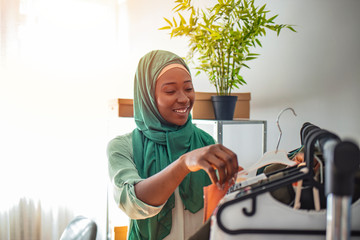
{"x": 158, "y": 170}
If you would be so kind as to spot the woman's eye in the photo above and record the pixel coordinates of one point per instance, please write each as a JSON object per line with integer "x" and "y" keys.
{"x": 170, "y": 91}
{"x": 189, "y": 89}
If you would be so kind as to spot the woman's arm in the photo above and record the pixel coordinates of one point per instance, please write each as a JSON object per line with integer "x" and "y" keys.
{"x": 123, "y": 176}
{"x": 156, "y": 189}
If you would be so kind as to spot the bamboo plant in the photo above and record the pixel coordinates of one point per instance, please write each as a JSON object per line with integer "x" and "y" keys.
{"x": 221, "y": 37}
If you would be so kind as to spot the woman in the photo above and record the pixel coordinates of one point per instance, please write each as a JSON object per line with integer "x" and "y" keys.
{"x": 159, "y": 170}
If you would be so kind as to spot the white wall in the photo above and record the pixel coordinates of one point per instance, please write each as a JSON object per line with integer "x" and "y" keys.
{"x": 316, "y": 70}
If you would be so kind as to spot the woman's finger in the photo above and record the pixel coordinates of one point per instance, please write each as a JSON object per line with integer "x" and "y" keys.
{"x": 233, "y": 156}
{"x": 221, "y": 167}
{"x": 225, "y": 162}
{"x": 206, "y": 166}
{"x": 230, "y": 160}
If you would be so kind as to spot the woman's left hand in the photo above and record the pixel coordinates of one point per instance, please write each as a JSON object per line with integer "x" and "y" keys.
{"x": 209, "y": 159}
{"x": 156, "y": 189}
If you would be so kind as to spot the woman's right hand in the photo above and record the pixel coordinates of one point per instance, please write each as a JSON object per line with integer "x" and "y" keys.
{"x": 210, "y": 158}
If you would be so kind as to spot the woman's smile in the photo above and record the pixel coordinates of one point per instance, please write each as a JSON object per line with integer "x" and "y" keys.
{"x": 181, "y": 110}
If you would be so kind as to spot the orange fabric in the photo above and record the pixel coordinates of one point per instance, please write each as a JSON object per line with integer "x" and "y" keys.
{"x": 212, "y": 196}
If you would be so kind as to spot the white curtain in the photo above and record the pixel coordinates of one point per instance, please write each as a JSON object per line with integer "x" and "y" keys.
{"x": 59, "y": 60}
{"x": 28, "y": 219}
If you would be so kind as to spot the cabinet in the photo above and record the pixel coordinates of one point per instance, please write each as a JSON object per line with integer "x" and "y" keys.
{"x": 247, "y": 138}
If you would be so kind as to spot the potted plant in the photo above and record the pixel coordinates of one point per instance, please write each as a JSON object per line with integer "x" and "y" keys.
{"x": 221, "y": 38}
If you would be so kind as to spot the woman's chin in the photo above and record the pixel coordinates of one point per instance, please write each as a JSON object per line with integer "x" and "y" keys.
{"x": 180, "y": 119}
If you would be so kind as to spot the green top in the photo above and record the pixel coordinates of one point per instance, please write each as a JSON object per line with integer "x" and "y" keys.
{"x": 157, "y": 143}
{"x": 124, "y": 176}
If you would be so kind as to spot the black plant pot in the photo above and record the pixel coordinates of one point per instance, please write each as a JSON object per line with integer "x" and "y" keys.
{"x": 224, "y": 107}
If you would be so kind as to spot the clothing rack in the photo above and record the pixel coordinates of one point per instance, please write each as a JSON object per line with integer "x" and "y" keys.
{"x": 341, "y": 161}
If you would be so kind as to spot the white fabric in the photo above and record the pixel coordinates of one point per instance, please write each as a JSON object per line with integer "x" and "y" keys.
{"x": 30, "y": 220}
{"x": 184, "y": 223}
{"x": 272, "y": 214}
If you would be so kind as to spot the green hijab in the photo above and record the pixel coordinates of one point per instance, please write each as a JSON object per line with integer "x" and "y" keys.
{"x": 157, "y": 143}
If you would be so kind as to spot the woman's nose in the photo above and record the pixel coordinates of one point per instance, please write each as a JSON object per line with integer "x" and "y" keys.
{"x": 182, "y": 97}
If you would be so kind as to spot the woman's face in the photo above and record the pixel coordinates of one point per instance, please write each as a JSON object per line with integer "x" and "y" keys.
{"x": 174, "y": 95}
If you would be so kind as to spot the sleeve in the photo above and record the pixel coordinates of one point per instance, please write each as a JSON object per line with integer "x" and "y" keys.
{"x": 124, "y": 175}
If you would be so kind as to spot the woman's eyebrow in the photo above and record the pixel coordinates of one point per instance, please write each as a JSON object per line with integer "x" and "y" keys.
{"x": 169, "y": 83}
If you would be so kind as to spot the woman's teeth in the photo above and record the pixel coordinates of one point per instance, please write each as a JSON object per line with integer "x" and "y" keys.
{"x": 180, "y": 110}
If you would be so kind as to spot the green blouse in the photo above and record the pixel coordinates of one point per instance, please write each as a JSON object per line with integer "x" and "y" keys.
{"x": 124, "y": 176}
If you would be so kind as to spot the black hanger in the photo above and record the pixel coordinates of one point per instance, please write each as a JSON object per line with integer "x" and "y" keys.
{"x": 291, "y": 175}
{"x": 310, "y": 135}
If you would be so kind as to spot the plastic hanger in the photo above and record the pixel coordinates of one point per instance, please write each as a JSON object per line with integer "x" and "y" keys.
{"x": 277, "y": 156}
{"x": 269, "y": 158}
{"x": 278, "y": 124}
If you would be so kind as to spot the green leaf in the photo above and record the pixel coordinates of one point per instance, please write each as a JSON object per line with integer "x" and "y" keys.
{"x": 177, "y": 7}
{"x": 271, "y": 19}
{"x": 243, "y": 64}
{"x": 246, "y": 5}
{"x": 258, "y": 42}
{"x": 263, "y": 31}
{"x": 239, "y": 77}
{"x": 168, "y": 21}
{"x": 164, "y": 28}
{"x": 250, "y": 58}
{"x": 243, "y": 81}
{"x": 182, "y": 19}
{"x": 262, "y": 9}
{"x": 291, "y": 28}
